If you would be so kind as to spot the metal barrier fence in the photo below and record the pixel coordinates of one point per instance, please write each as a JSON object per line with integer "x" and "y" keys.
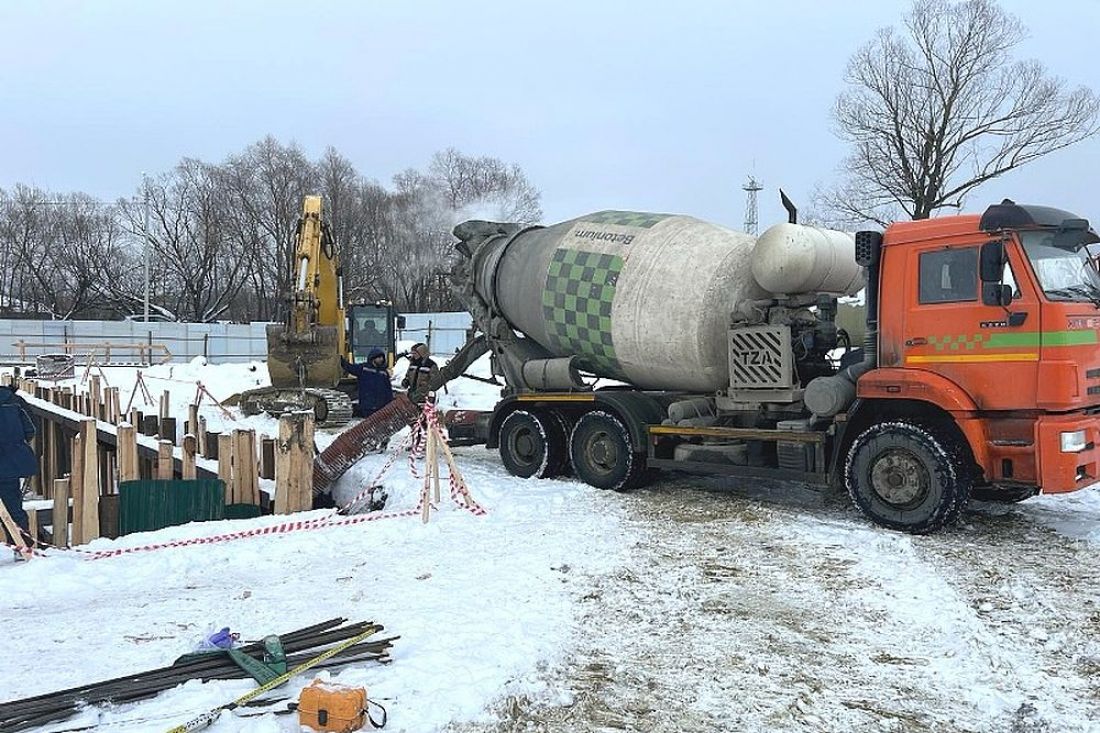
{"x": 129, "y": 342}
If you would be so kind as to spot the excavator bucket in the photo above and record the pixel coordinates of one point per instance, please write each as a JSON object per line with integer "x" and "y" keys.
{"x": 311, "y": 360}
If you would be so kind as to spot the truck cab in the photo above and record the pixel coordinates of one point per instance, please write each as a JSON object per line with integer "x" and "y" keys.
{"x": 993, "y": 320}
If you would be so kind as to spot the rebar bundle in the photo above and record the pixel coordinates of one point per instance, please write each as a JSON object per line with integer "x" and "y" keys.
{"x": 300, "y": 645}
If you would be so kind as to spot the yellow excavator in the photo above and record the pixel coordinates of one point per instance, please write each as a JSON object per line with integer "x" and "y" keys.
{"x": 303, "y": 353}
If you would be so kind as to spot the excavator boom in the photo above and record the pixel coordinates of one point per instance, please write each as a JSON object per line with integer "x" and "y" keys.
{"x": 305, "y": 350}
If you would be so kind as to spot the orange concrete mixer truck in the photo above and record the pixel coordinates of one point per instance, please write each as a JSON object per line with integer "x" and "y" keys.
{"x": 630, "y": 342}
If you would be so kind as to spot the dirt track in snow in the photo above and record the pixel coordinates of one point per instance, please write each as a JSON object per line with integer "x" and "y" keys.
{"x": 766, "y": 607}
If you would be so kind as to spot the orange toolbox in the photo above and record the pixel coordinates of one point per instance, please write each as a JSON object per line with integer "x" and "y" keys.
{"x": 328, "y": 706}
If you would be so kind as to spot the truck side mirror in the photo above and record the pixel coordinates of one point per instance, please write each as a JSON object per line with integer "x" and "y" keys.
{"x": 996, "y": 294}
{"x": 401, "y": 323}
{"x": 991, "y": 262}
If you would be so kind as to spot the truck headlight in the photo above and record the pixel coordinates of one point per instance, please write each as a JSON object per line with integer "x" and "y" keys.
{"x": 1074, "y": 442}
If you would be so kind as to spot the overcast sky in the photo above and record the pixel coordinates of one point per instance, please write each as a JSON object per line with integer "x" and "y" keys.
{"x": 660, "y": 106}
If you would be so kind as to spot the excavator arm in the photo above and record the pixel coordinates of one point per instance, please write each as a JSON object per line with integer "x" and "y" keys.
{"x": 305, "y": 351}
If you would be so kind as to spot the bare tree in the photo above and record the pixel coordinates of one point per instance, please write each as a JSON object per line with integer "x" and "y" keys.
{"x": 222, "y": 235}
{"x": 937, "y": 109}
{"x": 484, "y": 187}
{"x": 267, "y": 184}
{"x": 199, "y": 269}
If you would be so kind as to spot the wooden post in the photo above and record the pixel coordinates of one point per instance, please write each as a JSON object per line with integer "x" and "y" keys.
{"x": 76, "y": 487}
{"x": 115, "y": 405}
{"x": 150, "y": 425}
{"x": 294, "y": 463}
{"x": 32, "y": 525}
{"x": 127, "y": 453}
{"x": 165, "y": 402}
{"x": 267, "y": 457}
{"x": 90, "y": 502}
{"x": 96, "y": 395}
{"x": 189, "y": 448}
{"x": 61, "y": 512}
{"x": 108, "y": 516}
{"x": 168, "y": 429}
{"x": 212, "y": 444}
{"x": 165, "y": 462}
{"x": 192, "y": 425}
{"x": 246, "y": 479}
{"x": 431, "y": 467}
{"x": 225, "y": 466}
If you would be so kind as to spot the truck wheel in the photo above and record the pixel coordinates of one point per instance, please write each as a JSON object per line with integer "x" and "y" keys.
{"x": 602, "y": 454}
{"x": 532, "y": 445}
{"x": 907, "y": 477}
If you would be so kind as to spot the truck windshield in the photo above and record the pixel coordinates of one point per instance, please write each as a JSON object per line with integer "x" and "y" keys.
{"x": 1062, "y": 265}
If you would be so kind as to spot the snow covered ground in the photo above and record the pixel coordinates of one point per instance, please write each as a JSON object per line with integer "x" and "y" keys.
{"x": 692, "y": 605}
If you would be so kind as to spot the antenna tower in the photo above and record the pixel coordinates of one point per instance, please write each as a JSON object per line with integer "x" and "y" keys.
{"x": 750, "y": 188}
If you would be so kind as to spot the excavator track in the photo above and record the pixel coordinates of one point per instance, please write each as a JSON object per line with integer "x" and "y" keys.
{"x": 330, "y": 407}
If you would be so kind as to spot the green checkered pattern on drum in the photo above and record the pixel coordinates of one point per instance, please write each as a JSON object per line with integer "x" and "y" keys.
{"x": 580, "y": 287}
{"x": 625, "y": 218}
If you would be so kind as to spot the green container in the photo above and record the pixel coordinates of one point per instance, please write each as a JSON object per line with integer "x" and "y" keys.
{"x": 148, "y": 505}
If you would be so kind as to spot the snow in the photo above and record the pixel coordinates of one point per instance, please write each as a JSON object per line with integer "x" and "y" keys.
{"x": 695, "y": 604}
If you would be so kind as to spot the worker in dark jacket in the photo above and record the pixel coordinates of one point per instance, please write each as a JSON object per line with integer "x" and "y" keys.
{"x": 17, "y": 459}
{"x": 375, "y": 390}
{"x": 422, "y": 372}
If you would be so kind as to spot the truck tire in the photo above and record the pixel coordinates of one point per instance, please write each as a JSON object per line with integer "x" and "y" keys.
{"x": 532, "y": 445}
{"x": 908, "y": 477}
{"x": 602, "y": 454}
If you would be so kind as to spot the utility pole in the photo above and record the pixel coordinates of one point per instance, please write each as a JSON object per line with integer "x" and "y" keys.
{"x": 148, "y": 237}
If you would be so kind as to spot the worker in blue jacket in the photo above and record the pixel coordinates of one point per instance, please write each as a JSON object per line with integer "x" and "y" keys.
{"x": 17, "y": 459}
{"x": 375, "y": 390}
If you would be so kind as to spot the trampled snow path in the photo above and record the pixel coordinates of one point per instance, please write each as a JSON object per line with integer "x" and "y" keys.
{"x": 771, "y": 608}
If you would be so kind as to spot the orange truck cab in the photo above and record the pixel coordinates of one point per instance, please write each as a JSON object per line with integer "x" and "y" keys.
{"x": 992, "y": 321}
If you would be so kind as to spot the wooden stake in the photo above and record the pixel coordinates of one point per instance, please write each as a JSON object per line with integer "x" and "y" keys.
{"x": 32, "y": 524}
{"x": 127, "y": 453}
{"x": 433, "y": 464}
{"x": 294, "y": 463}
{"x": 202, "y": 435}
{"x": 168, "y": 429}
{"x": 116, "y": 406}
{"x": 165, "y": 461}
{"x": 225, "y": 465}
{"x": 94, "y": 391}
{"x": 76, "y": 487}
{"x": 14, "y": 532}
{"x": 61, "y": 512}
{"x": 246, "y": 479}
{"x": 189, "y": 447}
{"x": 267, "y": 457}
{"x": 192, "y": 420}
{"x": 90, "y": 502}
{"x": 165, "y": 401}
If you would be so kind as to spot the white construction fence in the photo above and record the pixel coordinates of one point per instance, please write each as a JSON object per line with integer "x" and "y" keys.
{"x": 128, "y": 342}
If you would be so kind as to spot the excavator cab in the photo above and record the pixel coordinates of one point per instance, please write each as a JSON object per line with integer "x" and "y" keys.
{"x": 373, "y": 326}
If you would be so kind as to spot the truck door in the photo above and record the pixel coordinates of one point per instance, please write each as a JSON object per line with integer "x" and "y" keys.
{"x": 950, "y": 331}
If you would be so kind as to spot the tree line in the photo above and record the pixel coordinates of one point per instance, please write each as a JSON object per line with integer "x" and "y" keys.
{"x": 221, "y": 235}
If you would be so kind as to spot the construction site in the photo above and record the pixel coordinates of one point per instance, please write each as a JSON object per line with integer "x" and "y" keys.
{"x": 723, "y": 401}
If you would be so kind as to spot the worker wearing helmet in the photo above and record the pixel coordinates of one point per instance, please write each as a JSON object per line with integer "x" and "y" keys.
{"x": 375, "y": 390}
